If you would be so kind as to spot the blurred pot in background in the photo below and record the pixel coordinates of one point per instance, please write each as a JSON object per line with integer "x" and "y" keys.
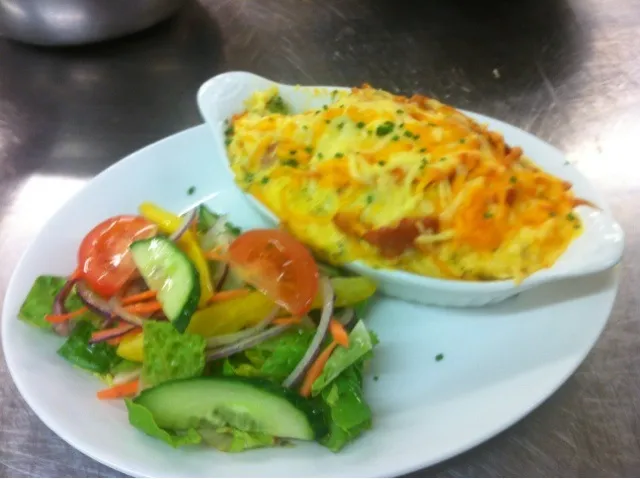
{"x": 77, "y": 22}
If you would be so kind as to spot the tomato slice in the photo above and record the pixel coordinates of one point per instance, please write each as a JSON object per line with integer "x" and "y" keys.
{"x": 104, "y": 260}
{"x": 278, "y": 265}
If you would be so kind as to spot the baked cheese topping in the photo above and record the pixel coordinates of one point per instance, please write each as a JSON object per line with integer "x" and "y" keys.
{"x": 402, "y": 183}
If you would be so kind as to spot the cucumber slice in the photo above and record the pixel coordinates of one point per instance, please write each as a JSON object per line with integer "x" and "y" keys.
{"x": 168, "y": 271}
{"x": 250, "y": 405}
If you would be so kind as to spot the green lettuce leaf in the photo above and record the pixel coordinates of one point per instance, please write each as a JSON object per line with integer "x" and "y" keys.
{"x": 141, "y": 418}
{"x": 229, "y": 439}
{"x": 246, "y": 370}
{"x": 124, "y": 366}
{"x": 207, "y": 218}
{"x": 346, "y": 412}
{"x": 98, "y": 358}
{"x": 39, "y": 302}
{"x": 168, "y": 354}
{"x": 273, "y": 359}
{"x": 360, "y": 309}
{"x": 284, "y": 353}
{"x": 360, "y": 344}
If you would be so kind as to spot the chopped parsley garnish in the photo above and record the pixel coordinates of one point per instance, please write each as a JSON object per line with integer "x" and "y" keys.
{"x": 248, "y": 177}
{"x": 571, "y": 217}
{"x": 381, "y": 163}
{"x": 308, "y": 149}
{"x": 264, "y": 180}
{"x": 340, "y": 125}
{"x": 513, "y": 179}
{"x": 292, "y": 152}
{"x": 488, "y": 214}
{"x": 463, "y": 140}
{"x": 191, "y": 190}
{"x": 395, "y": 138}
{"x": 325, "y": 107}
{"x": 290, "y": 162}
{"x": 360, "y": 124}
{"x": 229, "y": 131}
{"x": 375, "y": 378}
{"x": 422, "y": 150}
{"x": 408, "y": 134}
{"x": 552, "y": 213}
{"x": 384, "y": 129}
{"x": 423, "y": 163}
{"x": 327, "y": 121}
{"x": 339, "y": 155}
{"x": 444, "y": 158}
{"x": 399, "y": 112}
{"x": 227, "y": 141}
{"x": 439, "y": 357}
{"x": 369, "y": 199}
{"x": 305, "y": 127}
{"x": 277, "y": 105}
{"x": 320, "y": 155}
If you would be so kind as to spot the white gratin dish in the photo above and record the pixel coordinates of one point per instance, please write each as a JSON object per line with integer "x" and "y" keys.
{"x": 600, "y": 247}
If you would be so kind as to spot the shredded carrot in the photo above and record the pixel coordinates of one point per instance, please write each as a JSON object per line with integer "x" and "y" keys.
{"x": 231, "y": 294}
{"x": 338, "y": 333}
{"x": 214, "y": 254}
{"x": 136, "y": 298}
{"x": 286, "y": 321}
{"x": 117, "y": 340}
{"x": 143, "y": 308}
{"x": 120, "y": 391}
{"x": 579, "y": 202}
{"x": 316, "y": 369}
{"x": 61, "y": 318}
{"x": 99, "y": 335}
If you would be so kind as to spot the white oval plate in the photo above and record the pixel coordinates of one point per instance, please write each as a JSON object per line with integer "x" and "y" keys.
{"x": 499, "y": 362}
{"x": 598, "y": 248}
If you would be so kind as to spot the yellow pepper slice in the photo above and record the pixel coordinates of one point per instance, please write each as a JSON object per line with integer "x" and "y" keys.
{"x": 168, "y": 223}
{"x": 232, "y": 315}
{"x": 131, "y": 348}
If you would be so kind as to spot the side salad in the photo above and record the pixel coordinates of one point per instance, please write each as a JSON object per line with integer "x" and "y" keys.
{"x": 211, "y": 335}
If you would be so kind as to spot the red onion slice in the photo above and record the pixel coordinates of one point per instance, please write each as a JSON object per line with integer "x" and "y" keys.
{"x": 189, "y": 218}
{"x": 113, "y": 333}
{"x": 62, "y": 329}
{"x": 250, "y": 342}
{"x": 103, "y": 307}
{"x": 126, "y": 377}
{"x": 347, "y": 318}
{"x": 225, "y": 339}
{"x": 218, "y": 236}
{"x": 123, "y": 314}
{"x": 223, "y": 277}
{"x": 323, "y": 326}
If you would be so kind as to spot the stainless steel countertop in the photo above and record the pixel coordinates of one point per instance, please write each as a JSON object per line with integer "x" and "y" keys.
{"x": 565, "y": 70}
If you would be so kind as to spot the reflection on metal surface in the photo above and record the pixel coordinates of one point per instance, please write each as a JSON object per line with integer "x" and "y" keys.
{"x": 38, "y": 197}
{"x": 74, "y": 22}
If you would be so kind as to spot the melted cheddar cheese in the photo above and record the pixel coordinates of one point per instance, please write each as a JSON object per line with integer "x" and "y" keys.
{"x": 401, "y": 183}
